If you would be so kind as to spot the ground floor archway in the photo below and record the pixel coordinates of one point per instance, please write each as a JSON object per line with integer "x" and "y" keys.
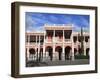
{"x": 59, "y": 50}
{"x": 50, "y": 52}
{"x": 32, "y": 53}
{"x": 80, "y": 51}
{"x": 40, "y": 54}
{"x": 87, "y": 51}
{"x": 67, "y": 52}
{"x": 75, "y": 51}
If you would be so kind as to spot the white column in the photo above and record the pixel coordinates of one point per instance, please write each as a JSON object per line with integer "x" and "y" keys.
{"x": 39, "y": 47}
{"x": 44, "y": 53}
{"x": 28, "y": 47}
{"x": 63, "y": 48}
{"x": 36, "y": 48}
{"x": 53, "y": 46}
{"x": 77, "y": 45}
{"x": 84, "y": 47}
{"x": 72, "y": 54}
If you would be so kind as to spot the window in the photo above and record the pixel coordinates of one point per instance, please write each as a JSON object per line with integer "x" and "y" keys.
{"x": 32, "y": 38}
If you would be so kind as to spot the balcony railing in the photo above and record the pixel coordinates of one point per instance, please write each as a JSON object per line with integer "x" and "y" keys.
{"x": 57, "y": 40}
{"x": 49, "y": 40}
{"x": 34, "y": 43}
{"x": 30, "y": 43}
{"x": 67, "y": 40}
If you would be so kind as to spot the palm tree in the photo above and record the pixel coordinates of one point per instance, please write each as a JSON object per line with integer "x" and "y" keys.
{"x": 82, "y": 38}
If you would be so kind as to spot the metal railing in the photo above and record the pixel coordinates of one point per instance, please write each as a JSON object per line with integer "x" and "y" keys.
{"x": 67, "y": 40}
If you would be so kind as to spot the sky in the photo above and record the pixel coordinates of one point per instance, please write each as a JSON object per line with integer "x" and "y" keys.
{"x": 35, "y": 21}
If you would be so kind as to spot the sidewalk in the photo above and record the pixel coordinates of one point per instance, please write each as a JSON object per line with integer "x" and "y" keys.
{"x": 57, "y": 63}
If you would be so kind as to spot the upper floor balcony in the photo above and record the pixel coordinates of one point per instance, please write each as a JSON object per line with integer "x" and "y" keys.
{"x": 57, "y": 40}
{"x": 58, "y": 36}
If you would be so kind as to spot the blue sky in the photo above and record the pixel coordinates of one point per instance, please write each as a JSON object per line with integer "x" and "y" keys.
{"x": 36, "y": 21}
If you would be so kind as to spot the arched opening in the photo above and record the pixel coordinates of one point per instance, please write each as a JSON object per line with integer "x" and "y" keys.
{"x": 80, "y": 51}
{"x": 75, "y": 51}
{"x": 87, "y": 51}
{"x": 67, "y": 52}
{"x": 32, "y": 53}
{"x": 50, "y": 52}
{"x": 41, "y": 54}
{"x": 59, "y": 50}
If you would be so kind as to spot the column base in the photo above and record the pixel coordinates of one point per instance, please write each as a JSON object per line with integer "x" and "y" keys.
{"x": 84, "y": 53}
{"x": 72, "y": 58}
{"x": 63, "y": 57}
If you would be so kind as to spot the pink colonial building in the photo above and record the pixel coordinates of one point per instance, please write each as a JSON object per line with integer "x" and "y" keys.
{"x": 56, "y": 42}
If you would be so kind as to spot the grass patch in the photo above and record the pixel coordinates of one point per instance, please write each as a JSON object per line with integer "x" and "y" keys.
{"x": 81, "y": 57}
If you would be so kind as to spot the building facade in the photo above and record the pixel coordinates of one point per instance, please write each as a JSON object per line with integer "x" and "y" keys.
{"x": 56, "y": 42}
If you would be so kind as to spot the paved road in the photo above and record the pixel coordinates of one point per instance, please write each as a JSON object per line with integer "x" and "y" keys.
{"x": 56, "y": 63}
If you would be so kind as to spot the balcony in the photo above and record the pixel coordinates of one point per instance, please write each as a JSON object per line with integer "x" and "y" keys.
{"x": 30, "y": 43}
{"x": 67, "y": 40}
{"x": 55, "y": 39}
{"x": 49, "y": 40}
{"x": 33, "y": 43}
{"x": 58, "y": 40}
